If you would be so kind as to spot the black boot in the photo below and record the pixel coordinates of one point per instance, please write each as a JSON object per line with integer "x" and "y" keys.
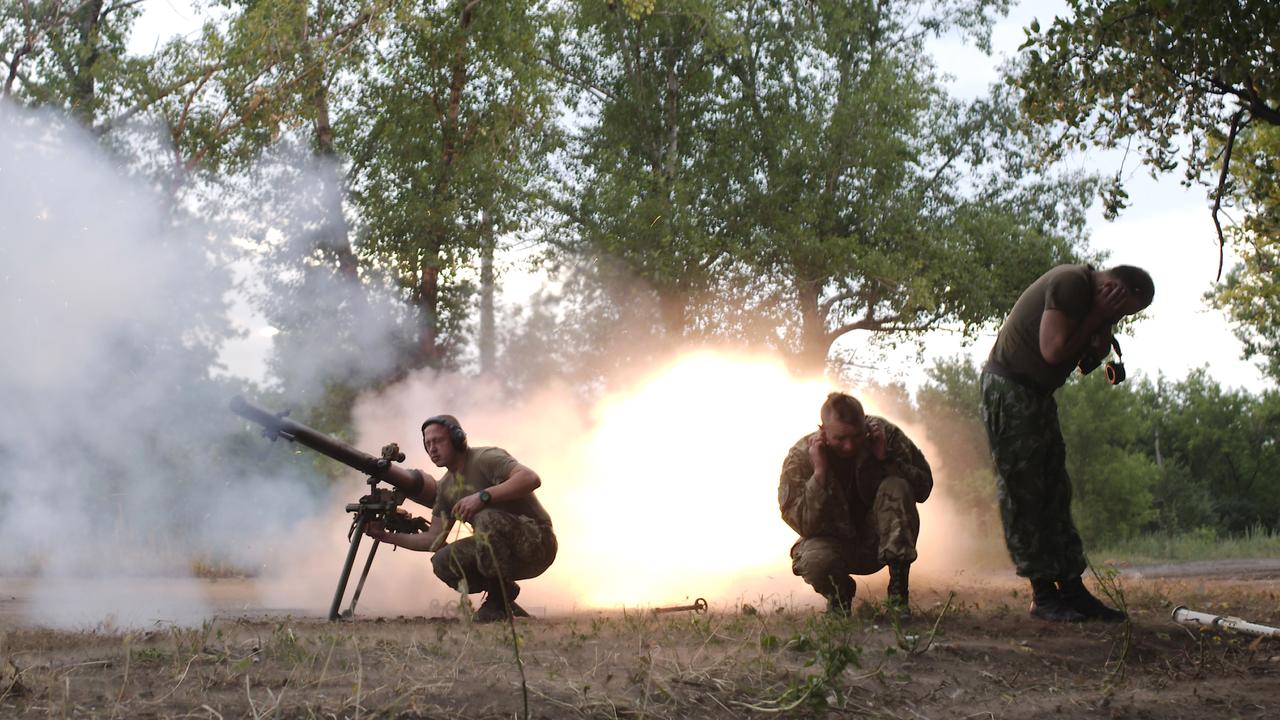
{"x": 494, "y": 609}
{"x": 1047, "y": 603}
{"x": 899, "y": 594}
{"x": 840, "y": 601}
{"x": 1078, "y": 597}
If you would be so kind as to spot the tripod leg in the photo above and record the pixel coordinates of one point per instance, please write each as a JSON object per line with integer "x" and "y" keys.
{"x": 355, "y": 597}
{"x": 346, "y": 569}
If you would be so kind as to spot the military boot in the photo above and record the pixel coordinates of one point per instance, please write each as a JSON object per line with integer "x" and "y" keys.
{"x": 899, "y": 594}
{"x": 840, "y": 601}
{"x": 1078, "y": 598}
{"x": 1047, "y": 603}
{"x": 494, "y": 609}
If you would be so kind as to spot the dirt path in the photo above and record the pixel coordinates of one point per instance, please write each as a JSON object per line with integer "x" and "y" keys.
{"x": 988, "y": 659}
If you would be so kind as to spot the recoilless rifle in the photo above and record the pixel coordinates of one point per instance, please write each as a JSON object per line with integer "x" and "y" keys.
{"x": 379, "y": 505}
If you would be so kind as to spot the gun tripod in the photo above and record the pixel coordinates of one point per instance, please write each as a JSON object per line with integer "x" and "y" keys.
{"x": 372, "y": 507}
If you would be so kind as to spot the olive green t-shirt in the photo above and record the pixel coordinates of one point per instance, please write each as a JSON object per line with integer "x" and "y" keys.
{"x": 1067, "y": 288}
{"x": 484, "y": 468}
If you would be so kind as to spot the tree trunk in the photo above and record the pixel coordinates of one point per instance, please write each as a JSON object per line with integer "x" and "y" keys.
{"x": 488, "y": 339}
{"x": 814, "y": 340}
{"x": 87, "y": 21}
{"x": 673, "y": 308}
{"x": 333, "y": 238}
{"x": 428, "y": 306}
{"x": 429, "y": 288}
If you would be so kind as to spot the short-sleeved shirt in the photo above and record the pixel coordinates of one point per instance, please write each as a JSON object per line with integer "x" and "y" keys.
{"x": 1067, "y": 288}
{"x": 484, "y": 468}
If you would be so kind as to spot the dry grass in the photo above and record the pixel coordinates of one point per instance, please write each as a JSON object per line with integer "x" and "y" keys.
{"x": 974, "y": 654}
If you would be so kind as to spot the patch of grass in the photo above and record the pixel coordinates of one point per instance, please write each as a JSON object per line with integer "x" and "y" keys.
{"x": 1202, "y": 544}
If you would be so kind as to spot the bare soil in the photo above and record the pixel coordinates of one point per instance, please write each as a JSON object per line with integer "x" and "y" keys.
{"x": 971, "y": 651}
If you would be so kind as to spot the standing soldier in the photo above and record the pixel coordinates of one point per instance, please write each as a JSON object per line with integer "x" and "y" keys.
{"x": 1065, "y": 315}
{"x": 486, "y": 487}
{"x": 850, "y": 491}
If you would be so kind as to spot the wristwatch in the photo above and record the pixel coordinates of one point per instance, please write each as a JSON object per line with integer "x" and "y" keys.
{"x": 485, "y": 497}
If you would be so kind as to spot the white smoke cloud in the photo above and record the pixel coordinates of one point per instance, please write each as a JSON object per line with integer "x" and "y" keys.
{"x": 662, "y": 491}
{"x": 112, "y": 433}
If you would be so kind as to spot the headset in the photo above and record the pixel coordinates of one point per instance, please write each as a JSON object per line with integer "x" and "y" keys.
{"x": 457, "y": 435}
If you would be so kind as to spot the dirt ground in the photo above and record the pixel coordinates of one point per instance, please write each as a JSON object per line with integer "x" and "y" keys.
{"x": 971, "y": 651}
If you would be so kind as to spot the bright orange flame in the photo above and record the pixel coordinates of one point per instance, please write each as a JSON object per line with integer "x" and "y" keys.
{"x": 660, "y": 493}
{"x": 678, "y": 486}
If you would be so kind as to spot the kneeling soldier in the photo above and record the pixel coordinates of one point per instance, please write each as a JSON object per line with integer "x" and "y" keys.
{"x": 486, "y": 487}
{"x": 850, "y": 490}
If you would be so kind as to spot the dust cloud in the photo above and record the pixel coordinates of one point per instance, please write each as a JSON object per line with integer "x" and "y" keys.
{"x": 661, "y": 492}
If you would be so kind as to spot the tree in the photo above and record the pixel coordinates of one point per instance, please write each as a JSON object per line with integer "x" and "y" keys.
{"x": 1251, "y": 294}
{"x": 645, "y": 174}
{"x": 874, "y": 200}
{"x": 68, "y": 54}
{"x": 1107, "y": 433}
{"x": 453, "y": 114}
{"x": 1226, "y": 439}
{"x": 1156, "y": 71}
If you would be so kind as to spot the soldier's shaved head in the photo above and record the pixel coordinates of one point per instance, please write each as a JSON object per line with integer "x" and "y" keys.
{"x": 844, "y": 408}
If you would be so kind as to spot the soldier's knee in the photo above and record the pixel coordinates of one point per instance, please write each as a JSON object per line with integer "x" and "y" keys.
{"x": 816, "y": 561}
{"x": 445, "y": 568}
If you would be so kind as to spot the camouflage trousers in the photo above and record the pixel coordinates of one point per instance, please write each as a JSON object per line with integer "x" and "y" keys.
{"x": 1031, "y": 480}
{"x": 886, "y": 534}
{"x": 504, "y": 548}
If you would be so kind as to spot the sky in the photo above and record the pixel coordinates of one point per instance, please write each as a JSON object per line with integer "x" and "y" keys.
{"x": 1167, "y": 230}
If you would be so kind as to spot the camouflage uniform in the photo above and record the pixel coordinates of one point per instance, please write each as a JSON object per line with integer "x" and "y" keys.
{"x": 522, "y": 547}
{"x": 516, "y": 533}
{"x": 1031, "y": 479}
{"x": 861, "y": 519}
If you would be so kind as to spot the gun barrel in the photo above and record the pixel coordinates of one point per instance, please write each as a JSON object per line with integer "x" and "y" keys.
{"x": 276, "y": 425}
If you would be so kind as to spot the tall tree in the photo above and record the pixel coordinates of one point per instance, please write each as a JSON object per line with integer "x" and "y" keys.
{"x": 454, "y": 110}
{"x": 645, "y": 171}
{"x": 1251, "y": 293}
{"x": 68, "y": 54}
{"x": 1112, "y": 72}
{"x": 877, "y": 202}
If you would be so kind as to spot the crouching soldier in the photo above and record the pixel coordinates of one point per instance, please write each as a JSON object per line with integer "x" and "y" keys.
{"x": 850, "y": 491}
{"x": 486, "y": 487}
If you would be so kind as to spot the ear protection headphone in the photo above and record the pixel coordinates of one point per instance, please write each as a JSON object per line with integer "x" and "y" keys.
{"x": 457, "y": 435}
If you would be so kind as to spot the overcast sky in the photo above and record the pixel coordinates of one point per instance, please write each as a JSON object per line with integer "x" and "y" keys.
{"x": 1166, "y": 229}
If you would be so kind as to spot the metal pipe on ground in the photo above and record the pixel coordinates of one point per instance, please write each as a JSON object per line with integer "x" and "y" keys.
{"x": 1185, "y": 616}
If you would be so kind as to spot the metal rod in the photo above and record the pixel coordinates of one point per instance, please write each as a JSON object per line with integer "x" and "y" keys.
{"x": 698, "y": 607}
{"x": 355, "y": 597}
{"x": 1184, "y": 616}
{"x": 357, "y": 531}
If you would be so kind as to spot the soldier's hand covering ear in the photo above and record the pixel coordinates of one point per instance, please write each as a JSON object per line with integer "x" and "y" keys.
{"x": 817, "y": 452}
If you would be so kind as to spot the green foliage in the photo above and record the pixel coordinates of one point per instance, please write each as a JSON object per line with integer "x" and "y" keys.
{"x": 1146, "y": 459}
{"x": 1107, "y": 436}
{"x": 1226, "y": 439}
{"x": 1155, "y": 74}
{"x": 69, "y": 56}
{"x": 1154, "y": 71}
{"x": 1251, "y": 294}
{"x": 815, "y": 222}
{"x": 448, "y": 145}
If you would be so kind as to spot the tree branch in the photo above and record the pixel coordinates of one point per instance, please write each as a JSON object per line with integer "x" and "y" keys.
{"x": 1222, "y": 184}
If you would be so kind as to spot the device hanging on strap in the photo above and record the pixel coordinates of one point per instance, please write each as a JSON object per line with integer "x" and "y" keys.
{"x": 1114, "y": 369}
